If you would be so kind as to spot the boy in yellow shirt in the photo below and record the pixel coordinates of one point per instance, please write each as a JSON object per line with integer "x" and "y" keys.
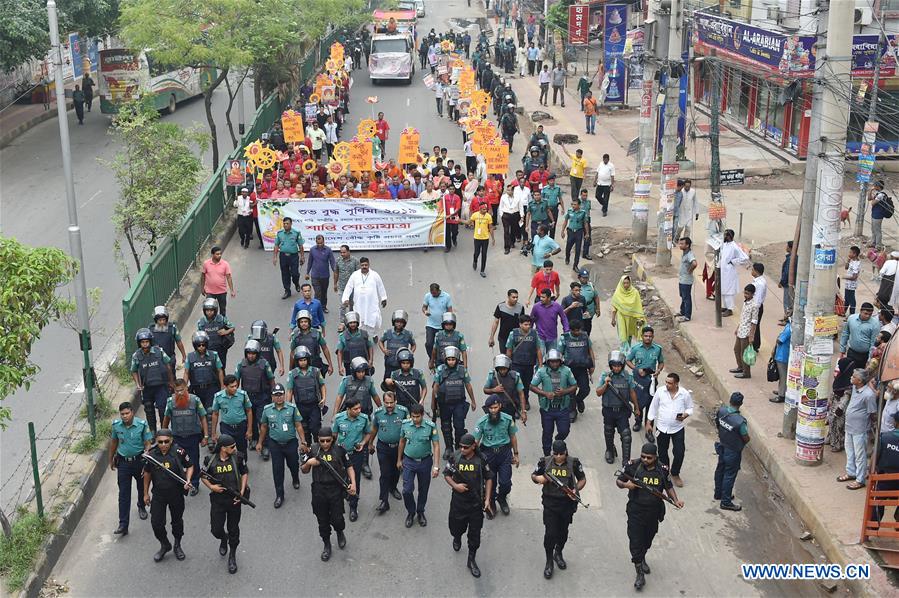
{"x": 482, "y": 222}
{"x": 578, "y": 166}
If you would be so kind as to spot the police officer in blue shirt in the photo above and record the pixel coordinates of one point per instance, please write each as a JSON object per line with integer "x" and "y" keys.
{"x": 130, "y": 438}
{"x": 733, "y": 435}
{"x": 496, "y": 434}
{"x": 354, "y": 433}
{"x": 419, "y": 443}
{"x": 387, "y": 421}
{"x": 233, "y": 412}
{"x": 282, "y": 424}
{"x": 256, "y": 378}
{"x": 152, "y": 376}
{"x": 646, "y": 361}
{"x": 290, "y": 254}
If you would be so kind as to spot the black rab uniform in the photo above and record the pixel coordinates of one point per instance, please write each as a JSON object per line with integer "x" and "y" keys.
{"x": 558, "y": 508}
{"x": 223, "y": 508}
{"x": 167, "y": 493}
{"x": 467, "y": 508}
{"x": 328, "y": 492}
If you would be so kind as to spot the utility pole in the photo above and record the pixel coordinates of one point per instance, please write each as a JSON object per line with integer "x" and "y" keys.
{"x": 833, "y": 75}
{"x": 674, "y": 66}
{"x": 640, "y": 210}
{"x": 241, "y": 117}
{"x": 715, "y": 173}
{"x": 872, "y": 118}
{"x": 74, "y": 230}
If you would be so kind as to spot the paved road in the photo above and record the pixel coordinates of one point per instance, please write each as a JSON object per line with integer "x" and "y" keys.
{"x": 697, "y": 552}
{"x": 34, "y": 211}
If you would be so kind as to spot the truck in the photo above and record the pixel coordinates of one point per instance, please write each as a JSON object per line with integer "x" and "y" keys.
{"x": 392, "y": 51}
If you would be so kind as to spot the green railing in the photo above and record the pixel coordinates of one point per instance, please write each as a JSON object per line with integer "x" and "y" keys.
{"x": 159, "y": 278}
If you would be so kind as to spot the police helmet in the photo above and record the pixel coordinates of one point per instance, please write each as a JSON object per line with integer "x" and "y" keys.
{"x": 351, "y": 316}
{"x": 211, "y": 303}
{"x": 616, "y": 358}
{"x": 278, "y": 389}
{"x": 359, "y": 364}
{"x": 553, "y": 355}
{"x": 448, "y": 317}
{"x": 252, "y": 346}
{"x": 143, "y": 334}
{"x": 502, "y": 361}
{"x": 160, "y": 312}
{"x": 534, "y": 149}
{"x": 399, "y": 314}
{"x": 302, "y": 352}
{"x": 451, "y": 352}
{"x": 259, "y": 330}
{"x": 199, "y": 338}
{"x": 405, "y": 354}
{"x": 510, "y": 107}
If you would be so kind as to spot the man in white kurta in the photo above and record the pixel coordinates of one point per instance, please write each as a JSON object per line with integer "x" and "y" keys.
{"x": 369, "y": 296}
{"x": 730, "y": 257}
{"x": 687, "y": 209}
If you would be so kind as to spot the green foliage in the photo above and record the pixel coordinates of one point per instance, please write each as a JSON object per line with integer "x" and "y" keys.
{"x": 120, "y": 369}
{"x": 102, "y": 407}
{"x": 89, "y": 444}
{"x": 557, "y": 16}
{"x": 18, "y": 552}
{"x": 29, "y": 278}
{"x": 153, "y": 154}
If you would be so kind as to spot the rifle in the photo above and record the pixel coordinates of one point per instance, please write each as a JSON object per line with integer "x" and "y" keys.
{"x": 337, "y": 476}
{"x": 160, "y": 465}
{"x": 451, "y": 467}
{"x": 642, "y": 486}
{"x": 569, "y": 492}
{"x": 204, "y": 473}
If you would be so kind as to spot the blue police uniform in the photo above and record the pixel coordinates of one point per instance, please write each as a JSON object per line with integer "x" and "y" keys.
{"x": 129, "y": 464}
{"x": 731, "y": 429}
{"x": 418, "y": 459}
{"x": 495, "y": 443}
{"x": 351, "y": 432}
{"x": 388, "y": 427}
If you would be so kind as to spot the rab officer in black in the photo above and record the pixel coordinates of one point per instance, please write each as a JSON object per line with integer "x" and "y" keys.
{"x": 558, "y": 507}
{"x": 168, "y": 492}
{"x": 228, "y": 466}
{"x": 645, "y": 510}
{"x": 472, "y": 482}
{"x": 330, "y": 486}
{"x": 733, "y": 435}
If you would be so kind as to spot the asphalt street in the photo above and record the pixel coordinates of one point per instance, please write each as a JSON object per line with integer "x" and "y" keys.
{"x": 33, "y": 210}
{"x": 697, "y": 552}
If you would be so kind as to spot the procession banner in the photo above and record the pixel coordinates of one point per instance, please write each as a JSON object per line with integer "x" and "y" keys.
{"x": 292, "y": 125}
{"x": 359, "y": 223}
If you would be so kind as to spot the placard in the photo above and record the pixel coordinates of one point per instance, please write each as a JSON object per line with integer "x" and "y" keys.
{"x": 292, "y": 125}
{"x": 409, "y": 147}
{"x": 497, "y": 156}
{"x": 731, "y": 178}
{"x": 361, "y": 155}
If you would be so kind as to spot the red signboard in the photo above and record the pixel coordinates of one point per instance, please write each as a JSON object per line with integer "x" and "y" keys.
{"x": 578, "y": 24}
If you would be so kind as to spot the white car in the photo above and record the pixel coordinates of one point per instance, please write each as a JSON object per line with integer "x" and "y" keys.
{"x": 406, "y": 5}
{"x": 419, "y": 8}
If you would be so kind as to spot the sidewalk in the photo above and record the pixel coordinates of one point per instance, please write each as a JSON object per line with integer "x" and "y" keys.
{"x": 18, "y": 118}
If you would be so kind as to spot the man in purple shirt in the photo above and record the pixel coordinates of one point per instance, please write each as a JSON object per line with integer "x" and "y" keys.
{"x": 319, "y": 266}
{"x": 544, "y": 315}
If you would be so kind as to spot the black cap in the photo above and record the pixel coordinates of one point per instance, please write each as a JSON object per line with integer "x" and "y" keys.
{"x": 736, "y": 398}
{"x": 559, "y": 447}
{"x": 649, "y": 449}
{"x": 493, "y": 400}
{"x": 466, "y": 440}
{"x": 225, "y": 440}
{"x": 325, "y": 431}
{"x": 278, "y": 389}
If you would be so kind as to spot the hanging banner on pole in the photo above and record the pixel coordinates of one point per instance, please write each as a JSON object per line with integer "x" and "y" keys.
{"x": 614, "y": 39}
{"x": 578, "y": 24}
{"x": 866, "y": 156}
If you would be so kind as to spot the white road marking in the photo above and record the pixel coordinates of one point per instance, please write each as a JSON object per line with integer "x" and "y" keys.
{"x": 92, "y": 198}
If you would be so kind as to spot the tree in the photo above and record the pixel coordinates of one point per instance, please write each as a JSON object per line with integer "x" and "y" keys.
{"x": 29, "y": 280}
{"x": 158, "y": 175}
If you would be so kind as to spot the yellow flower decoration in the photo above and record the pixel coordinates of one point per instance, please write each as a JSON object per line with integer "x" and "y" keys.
{"x": 367, "y": 129}
{"x": 309, "y": 166}
{"x": 342, "y": 151}
{"x": 264, "y": 159}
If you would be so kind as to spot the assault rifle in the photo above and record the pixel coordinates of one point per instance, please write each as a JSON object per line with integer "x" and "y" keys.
{"x": 569, "y": 492}
{"x": 337, "y": 476}
{"x": 643, "y": 486}
{"x": 245, "y": 499}
{"x": 451, "y": 467}
{"x": 150, "y": 459}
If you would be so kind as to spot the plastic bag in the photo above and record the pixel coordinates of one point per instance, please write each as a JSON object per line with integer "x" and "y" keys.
{"x": 749, "y": 355}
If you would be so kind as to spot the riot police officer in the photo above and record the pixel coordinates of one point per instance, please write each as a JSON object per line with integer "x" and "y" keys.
{"x": 168, "y": 492}
{"x": 329, "y": 487}
{"x": 282, "y": 424}
{"x": 255, "y": 376}
{"x": 733, "y": 435}
{"x": 554, "y": 384}
{"x": 358, "y": 384}
{"x": 506, "y": 383}
{"x": 645, "y": 509}
{"x": 185, "y": 416}
{"x": 166, "y": 335}
{"x": 577, "y": 350}
{"x": 496, "y": 434}
{"x": 395, "y": 339}
{"x": 525, "y": 349}
{"x": 219, "y": 329}
{"x": 451, "y": 382}
{"x": 559, "y": 503}
{"x": 619, "y": 395}
{"x": 229, "y": 468}
{"x": 407, "y": 382}
{"x": 888, "y": 462}
{"x": 203, "y": 371}
{"x": 269, "y": 345}
{"x": 352, "y": 343}
{"x": 232, "y": 413}
{"x": 471, "y": 479}
{"x": 152, "y": 376}
{"x": 311, "y": 338}
{"x": 353, "y": 433}
{"x": 306, "y": 389}
{"x": 448, "y": 337}
{"x": 387, "y": 422}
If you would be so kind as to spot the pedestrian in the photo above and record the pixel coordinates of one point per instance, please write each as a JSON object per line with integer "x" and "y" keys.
{"x": 386, "y": 423}
{"x": 229, "y": 469}
{"x": 331, "y": 137}
{"x": 232, "y": 414}
{"x": 511, "y": 212}
{"x": 686, "y": 209}
{"x": 353, "y": 343}
{"x": 369, "y": 296}
{"x": 670, "y": 408}
{"x": 438, "y": 95}
{"x": 435, "y": 304}
{"x": 575, "y": 226}
{"x": 130, "y": 437}
{"x": 576, "y": 174}
{"x": 505, "y": 318}
{"x": 547, "y": 314}
{"x": 850, "y": 279}
{"x": 418, "y": 444}
{"x": 558, "y": 83}
{"x": 645, "y": 505}
{"x": 729, "y": 256}
{"x": 627, "y": 312}
{"x": 781, "y": 354}
{"x": 215, "y": 279}
{"x": 244, "y": 204}
{"x": 331, "y": 483}
{"x": 471, "y": 479}
{"x": 483, "y": 231}
{"x": 452, "y": 208}
{"x": 860, "y": 412}
{"x": 744, "y": 332}
{"x": 319, "y": 267}
{"x": 78, "y": 101}
{"x": 281, "y": 425}
{"x": 554, "y": 384}
{"x": 152, "y": 376}
{"x": 784, "y": 283}
{"x": 618, "y": 392}
{"x": 761, "y": 292}
{"x": 583, "y": 88}
{"x": 605, "y": 183}
{"x": 496, "y": 435}
{"x": 541, "y": 56}
{"x": 646, "y": 362}
{"x": 525, "y": 349}
{"x": 544, "y": 248}
{"x": 382, "y": 131}
{"x": 256, "y": 378}
{"x": 289, "y": 255}
{"x": 544, "y": 79}
{"x": 881, "y": 207}
{"x": 887, "y": 275}
{"x": 733, "y": 436}
{"x": 449, "y": 336}
{"x": 345, "y": 265}
{"x": 577, "y": 351}
{"x": 185, "y": 416}
{"x": 531, "y": 58}
{"x": 87, "y": 86}
{"x": 685, "y": 278}
{"x": 166, "y": 335}
{"x": 165, "y": 459}
{"x": 353, "y": 434}
{"x": 558, "y": 505}
{"x": 576, "y": 306}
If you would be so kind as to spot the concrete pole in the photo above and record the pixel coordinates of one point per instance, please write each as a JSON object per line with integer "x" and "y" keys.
{"x": 832, "y": 70}
{"x": 665, "y": 222}
{"x": 872, "y": 117}
{"x": 241, "y": 115}
{"x": 640, "y": 211}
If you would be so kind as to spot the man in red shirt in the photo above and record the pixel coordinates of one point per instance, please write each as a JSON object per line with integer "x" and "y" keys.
{"x": 215, "y": 279}
{"x": 538, "y": 178}
{"x": 493, "y": 189}
{"x": 382, "y": 131}
{"x": 547, "y": 278}
{"x": 406, "y": 192}
{"x": 452, "y": 210}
